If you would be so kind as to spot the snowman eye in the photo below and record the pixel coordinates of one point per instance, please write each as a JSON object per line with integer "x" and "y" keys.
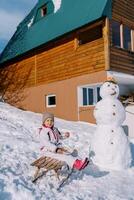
{"x": 115, "y": 86}
{"x": 108, "y": 85}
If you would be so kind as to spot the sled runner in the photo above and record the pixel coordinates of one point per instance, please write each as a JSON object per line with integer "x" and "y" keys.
{"x": 48, "y": 163}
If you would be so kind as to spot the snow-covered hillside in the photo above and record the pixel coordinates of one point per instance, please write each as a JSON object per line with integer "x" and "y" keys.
{"x": 19, "y": 147}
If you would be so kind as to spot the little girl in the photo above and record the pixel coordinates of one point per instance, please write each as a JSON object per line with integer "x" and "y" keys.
{"x": 51, "y": 145}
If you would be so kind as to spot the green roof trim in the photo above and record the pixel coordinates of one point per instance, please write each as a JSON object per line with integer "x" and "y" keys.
{"x": 72, "y": 14}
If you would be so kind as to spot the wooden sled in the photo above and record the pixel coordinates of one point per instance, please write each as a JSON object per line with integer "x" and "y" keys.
{"x": 47, "y": 163}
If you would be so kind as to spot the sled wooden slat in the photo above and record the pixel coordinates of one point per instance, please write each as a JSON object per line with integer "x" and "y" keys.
{"x": 47, "y": 162}
{"x": 38, "y": 162}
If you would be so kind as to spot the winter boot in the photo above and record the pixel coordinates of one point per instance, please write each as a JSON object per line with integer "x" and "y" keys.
{"x": 80, "y": 164}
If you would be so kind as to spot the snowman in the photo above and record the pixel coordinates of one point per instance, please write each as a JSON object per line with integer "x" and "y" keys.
{"x": 110, "y": 144}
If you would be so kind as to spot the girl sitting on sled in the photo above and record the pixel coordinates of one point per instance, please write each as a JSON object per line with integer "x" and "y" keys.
{"x": 51, "y": 144}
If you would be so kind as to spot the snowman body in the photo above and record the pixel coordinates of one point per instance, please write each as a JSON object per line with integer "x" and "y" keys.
{"x": 110, "y": 144}
{"x": 109, "y": 111}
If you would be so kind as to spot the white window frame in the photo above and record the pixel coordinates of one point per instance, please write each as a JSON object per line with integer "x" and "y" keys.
{"x": 121, "y": 36}
{"x": 80, "y": 94}
{"x": 47, "y": 100}
{"x": 132, "y": 39}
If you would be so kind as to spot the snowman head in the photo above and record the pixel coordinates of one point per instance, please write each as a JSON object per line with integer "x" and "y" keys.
{"x": 109, "y": 89}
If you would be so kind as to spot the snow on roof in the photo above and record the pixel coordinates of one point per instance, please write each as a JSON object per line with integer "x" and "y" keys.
{"x": 57, "y": 5}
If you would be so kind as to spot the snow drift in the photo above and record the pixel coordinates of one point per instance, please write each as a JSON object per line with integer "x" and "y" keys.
{"x": 19, "y": 147}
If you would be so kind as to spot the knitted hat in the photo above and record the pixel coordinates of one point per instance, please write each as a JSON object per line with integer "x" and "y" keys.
{"x": 47, "y": 115}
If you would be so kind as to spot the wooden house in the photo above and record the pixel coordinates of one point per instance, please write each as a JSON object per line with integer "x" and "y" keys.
{"x": 65, "y": 55}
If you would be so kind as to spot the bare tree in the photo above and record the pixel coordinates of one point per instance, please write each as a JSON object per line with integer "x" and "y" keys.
{"x": 13, "y": 80}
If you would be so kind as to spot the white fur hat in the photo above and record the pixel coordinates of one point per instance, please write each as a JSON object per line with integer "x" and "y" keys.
{"x": 47, "y": 115}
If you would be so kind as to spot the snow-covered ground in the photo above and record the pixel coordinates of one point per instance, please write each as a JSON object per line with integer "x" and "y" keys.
{"x": 19, "y": 147}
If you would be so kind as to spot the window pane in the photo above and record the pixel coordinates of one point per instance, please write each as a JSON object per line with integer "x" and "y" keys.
{"x": 84, "y": 96}
{"x": 43, "y": 11}
{"x": 51, "y": 100}
{"x": 126, "y": 37}
{"x": 90, "y": 96}
{"x": 116, "y": 33}
{"x": 98, "y": 94}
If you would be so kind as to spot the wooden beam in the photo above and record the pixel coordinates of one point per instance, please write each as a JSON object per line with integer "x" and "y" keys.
{"x": 35, "y": 70}
{"x": 106, "y": 36}
{"x": 90, "y": 26}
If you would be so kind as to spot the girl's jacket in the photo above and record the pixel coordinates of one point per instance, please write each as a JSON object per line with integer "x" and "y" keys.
{"x": 50, "y": 139}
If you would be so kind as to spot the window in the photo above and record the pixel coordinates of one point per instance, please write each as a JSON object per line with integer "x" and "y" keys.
{"x": 126, "y": 37}
{"x": 122, "y": 36}
{"x": 50, "y": 100}
{"x": 43, "y": 11}
{"x": 90, "y": 35}
{"x": 89, "y": 95}
{"x": 116, "y": 33}
{"x": 98, "y": 94}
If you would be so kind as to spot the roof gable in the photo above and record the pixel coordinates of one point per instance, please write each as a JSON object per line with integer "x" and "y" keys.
{"x": 33, "y": 32}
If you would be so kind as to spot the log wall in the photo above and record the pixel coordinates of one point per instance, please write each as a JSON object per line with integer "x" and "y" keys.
{"x": 123, "y": 9}
{"x": 61, "y": 60}
{"x": 64, "y": 61}
{"x": 122, "y": 60}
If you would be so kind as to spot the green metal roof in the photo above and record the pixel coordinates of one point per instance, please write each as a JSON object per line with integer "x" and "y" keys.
{"x": 71, "y": 15}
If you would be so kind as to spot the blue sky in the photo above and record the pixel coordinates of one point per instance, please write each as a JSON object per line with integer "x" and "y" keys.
{"x": 12, "y": 13}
